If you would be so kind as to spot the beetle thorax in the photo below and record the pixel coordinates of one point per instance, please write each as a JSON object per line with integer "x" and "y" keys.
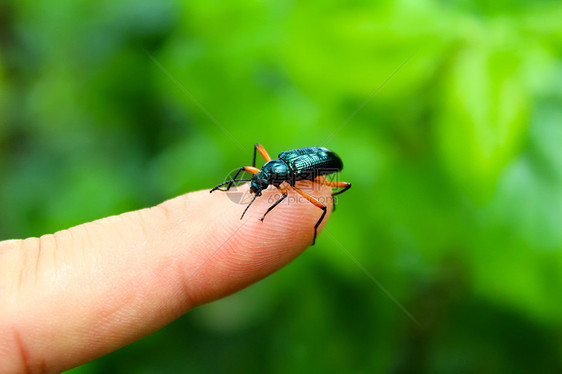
{"x": 277, "y": 172}
{"x": 273, "y": 172}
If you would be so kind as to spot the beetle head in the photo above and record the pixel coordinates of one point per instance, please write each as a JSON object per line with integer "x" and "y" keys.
{"x": 259, "y": 183}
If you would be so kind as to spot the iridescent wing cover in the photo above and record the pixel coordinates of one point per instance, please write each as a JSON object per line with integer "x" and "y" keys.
{"x": 308, "y": 163}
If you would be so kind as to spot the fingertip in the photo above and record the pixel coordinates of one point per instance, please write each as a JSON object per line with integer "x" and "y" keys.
{"x": 242, "y": 252}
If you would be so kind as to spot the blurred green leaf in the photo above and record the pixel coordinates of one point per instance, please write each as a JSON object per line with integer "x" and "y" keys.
{"x": 485, "y": 111}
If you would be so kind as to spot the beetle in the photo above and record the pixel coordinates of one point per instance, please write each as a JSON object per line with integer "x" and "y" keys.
{"x": 311, "y": 163}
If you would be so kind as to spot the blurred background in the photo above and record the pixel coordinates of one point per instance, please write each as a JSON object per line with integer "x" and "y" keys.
{"x": 447, "y": 115}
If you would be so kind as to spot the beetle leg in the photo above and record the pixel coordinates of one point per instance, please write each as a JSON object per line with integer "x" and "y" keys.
{"x": 259, "y": 148}
{"x": 249, "y": 169}
{"x": 316, "y": 202}
{"x": 346, "y": 186}
{"x": 284, "y": 192}
{"x": 336, "y": 184}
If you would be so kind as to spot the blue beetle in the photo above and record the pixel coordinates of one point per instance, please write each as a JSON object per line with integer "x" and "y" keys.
{"x": 311, "y": 163}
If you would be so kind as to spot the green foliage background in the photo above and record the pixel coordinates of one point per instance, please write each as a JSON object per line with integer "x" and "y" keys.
{"x": 447, "y": 115}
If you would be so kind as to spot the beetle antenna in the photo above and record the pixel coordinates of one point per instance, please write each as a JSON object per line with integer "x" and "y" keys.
{"x": 256, "y": 195}
{"x": 230, "y": 181}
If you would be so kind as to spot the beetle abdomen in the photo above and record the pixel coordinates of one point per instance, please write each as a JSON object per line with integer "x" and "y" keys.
{"x": 308, "y": 163}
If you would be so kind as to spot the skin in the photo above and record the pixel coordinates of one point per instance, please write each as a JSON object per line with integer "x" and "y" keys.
{"x": 70, "y": 297}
